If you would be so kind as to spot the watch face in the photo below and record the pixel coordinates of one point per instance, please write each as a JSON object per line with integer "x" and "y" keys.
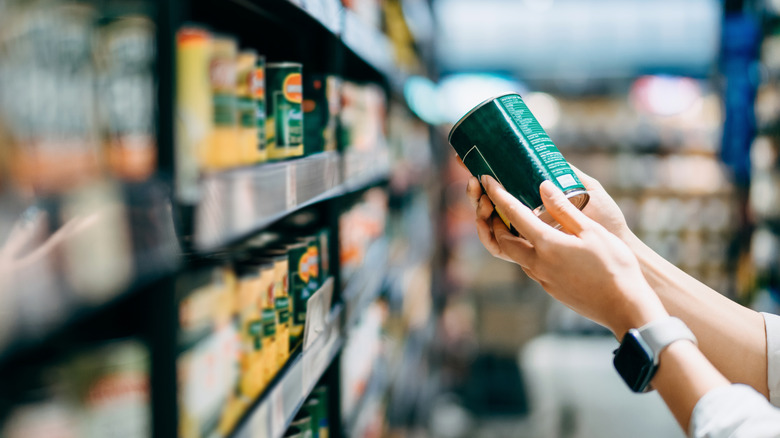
{"x": 634, "y": 362}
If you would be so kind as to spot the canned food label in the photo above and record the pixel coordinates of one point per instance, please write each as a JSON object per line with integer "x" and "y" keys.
{"x": 537, "y": 139}
{"x": 309, "y": 265}
{"x": 269, "y": 322}
{"x": 288, "y": 116}
{"x": 293, "y": 88}
{"x": 284, "y": 112}
{"x": 257, "y": 86}
{"x": 248, "y": 113}
{"x": 255, "y": 329}
{"x": 283, "y": 309}
{"x": 225, "y": 110}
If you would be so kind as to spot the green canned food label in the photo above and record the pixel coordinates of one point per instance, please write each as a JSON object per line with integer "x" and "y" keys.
{"x": 223, "y": 75}
{"x": 304, "y": 262}
{"x": 269, "y": 322}
{"x": 540, "y": 142}
{"x": 256, "y": 333}
{"x": 502, "y": 138}
{"x": 247, "y": 110}
{"x": 284, "y": 122}
{"x": 225, "y": 110}
{"x": 283, "y": 309}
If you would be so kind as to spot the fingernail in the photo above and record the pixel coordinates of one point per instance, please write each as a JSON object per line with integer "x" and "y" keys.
{"x": 548, "y": 189}
{"x": 483, "y": 179}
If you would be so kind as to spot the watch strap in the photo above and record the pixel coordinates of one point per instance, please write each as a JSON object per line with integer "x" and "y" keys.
{"x": 661, "y": 333}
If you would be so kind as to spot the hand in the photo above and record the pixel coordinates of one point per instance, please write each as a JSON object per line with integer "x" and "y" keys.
{"x": 589, "y": 269}
{"x": 601, "y": 207}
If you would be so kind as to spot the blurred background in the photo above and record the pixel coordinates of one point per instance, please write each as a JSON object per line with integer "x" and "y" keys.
{"x": 241, "y": 218}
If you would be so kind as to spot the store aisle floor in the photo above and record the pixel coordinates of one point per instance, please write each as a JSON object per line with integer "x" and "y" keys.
{"x": 575, "y": 393}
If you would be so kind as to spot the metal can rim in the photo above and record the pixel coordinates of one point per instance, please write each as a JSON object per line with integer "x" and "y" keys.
{"x": 483, "y": 103}
{"x": 571, "y": 193}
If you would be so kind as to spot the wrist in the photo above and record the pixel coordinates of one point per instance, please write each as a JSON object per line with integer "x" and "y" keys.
{"x": 636, "y": 313}
{"x": 629, "y": 238}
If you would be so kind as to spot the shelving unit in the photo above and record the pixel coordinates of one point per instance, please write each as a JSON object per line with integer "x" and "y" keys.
{"x": 277, "y": 407}
{"x": 170, "y": 238}
{"x": 257, "y": 198}
{"x": 155, "y": 256}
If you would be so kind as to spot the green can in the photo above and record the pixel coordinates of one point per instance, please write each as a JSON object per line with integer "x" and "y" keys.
{"x": 298, "y": 254}
{"x": 284, "y": 115}
{"x": 319, "y": 124}
{"x": 501, "y": 137}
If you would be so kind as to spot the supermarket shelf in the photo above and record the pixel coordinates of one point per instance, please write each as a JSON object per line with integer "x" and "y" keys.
{"x": 331, "y": 28}
{"x": 374, "y": 48}
{"x": 365, "y": 286}
{"x": 264, "y": 194}
{"x": 327, "y": 12}
{"x": 363, "y": 169}
{"x": 152, "y": 252}
{"x": 261, "y": 195}
{"x": 275, "y": 411}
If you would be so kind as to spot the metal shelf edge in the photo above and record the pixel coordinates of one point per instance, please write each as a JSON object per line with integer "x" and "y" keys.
{"x": 213, "y": 226}
{"x": 279, "y": 405}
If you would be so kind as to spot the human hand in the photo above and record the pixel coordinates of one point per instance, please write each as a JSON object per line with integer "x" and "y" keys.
{"x": 586, "y": 267}
{"x": 601, "y": 207}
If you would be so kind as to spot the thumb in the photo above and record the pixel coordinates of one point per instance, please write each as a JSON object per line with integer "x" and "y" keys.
{"x": 563, "y": 211}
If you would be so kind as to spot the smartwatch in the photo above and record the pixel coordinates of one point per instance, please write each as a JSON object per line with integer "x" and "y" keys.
{"x": 636, "y": 360}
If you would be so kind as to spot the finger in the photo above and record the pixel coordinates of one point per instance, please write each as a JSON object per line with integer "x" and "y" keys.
{"x": 488, "y": 239}
{"x": 562, "y": 210}
{"x": 484, "y": 208}
{"x": 524, "y": 220}
{"x": 520, "y": 250}
{"x": 473, "y": 191}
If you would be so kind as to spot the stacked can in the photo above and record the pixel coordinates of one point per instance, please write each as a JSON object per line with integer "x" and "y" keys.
{"x": 284, "y": 122}
{"x": 222, "y": 149}
{"x": 194, "y": 110}
{"x": 246, "y": 106}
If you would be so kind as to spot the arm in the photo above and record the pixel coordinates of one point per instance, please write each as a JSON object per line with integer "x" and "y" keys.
{"x": 731, "y": 336}
{"x": 602, "y": 281}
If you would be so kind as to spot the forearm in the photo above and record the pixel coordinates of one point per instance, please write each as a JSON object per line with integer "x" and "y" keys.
{"x": 683, "y": 378}
{"x": 731, "y": 336}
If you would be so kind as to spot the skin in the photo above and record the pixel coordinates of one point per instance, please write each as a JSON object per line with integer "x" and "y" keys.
{"x": 606, "y": 280}
{"x": 731, "y": 336}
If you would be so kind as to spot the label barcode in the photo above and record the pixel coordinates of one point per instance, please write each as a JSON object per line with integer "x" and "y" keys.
{"x": 566, "y": 181}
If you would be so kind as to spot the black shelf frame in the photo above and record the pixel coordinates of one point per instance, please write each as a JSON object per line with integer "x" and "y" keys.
{"x": 318, "y": 33}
